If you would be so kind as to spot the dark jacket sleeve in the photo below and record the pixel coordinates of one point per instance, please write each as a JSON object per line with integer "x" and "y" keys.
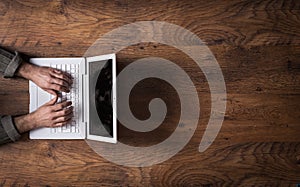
{"x": 9, "y": 63}
{"x": 8, "y": 131}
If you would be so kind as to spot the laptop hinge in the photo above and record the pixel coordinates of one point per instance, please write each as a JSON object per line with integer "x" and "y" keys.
{"x": 85, "y": 66}
{"x": 84, "y": 90}
{"x": 82, "y": 99}
{"x": 86, "y": 133}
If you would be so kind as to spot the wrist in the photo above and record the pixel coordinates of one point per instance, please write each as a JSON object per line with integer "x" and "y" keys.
{"x": 26, "y": 70}
{"x": 24, "y": 123}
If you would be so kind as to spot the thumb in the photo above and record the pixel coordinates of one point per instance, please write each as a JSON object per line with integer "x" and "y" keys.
{"x": 51, "y": 91}
{"x": 52, "y": 101}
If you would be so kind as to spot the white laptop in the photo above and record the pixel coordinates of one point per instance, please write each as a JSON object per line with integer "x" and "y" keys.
{"x": 93, "y": 95}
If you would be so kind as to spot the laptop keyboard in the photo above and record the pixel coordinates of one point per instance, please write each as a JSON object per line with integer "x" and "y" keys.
{"x": 73, "y": 95}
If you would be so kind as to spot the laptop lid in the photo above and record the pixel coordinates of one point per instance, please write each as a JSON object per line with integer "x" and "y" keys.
{"x": 101, "y": 107}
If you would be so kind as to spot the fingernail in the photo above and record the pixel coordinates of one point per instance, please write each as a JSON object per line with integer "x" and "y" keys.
{"x": 57, "y": 71}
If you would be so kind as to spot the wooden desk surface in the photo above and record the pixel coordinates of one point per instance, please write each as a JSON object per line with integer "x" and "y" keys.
{"x": 257, "y": 45}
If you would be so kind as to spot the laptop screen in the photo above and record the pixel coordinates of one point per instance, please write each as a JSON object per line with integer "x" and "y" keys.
{"x": 100, "y": 94}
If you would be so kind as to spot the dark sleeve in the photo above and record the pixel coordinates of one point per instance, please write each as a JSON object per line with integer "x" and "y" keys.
{"x": 8, "y": 131}
{"x": 9, "y": 62}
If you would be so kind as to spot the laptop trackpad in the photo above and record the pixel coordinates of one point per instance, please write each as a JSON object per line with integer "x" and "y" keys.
{"x": 43, "y": 97}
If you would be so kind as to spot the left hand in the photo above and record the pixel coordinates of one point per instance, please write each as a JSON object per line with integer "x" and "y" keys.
{"x": 49, "y": 79}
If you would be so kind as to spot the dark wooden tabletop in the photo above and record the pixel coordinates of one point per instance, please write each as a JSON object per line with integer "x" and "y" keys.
{"x": 257, "y": 46}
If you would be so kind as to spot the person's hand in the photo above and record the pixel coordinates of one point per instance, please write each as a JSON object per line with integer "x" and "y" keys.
{"x": 48, "y": 115}
{"x": 52, "y": 115}
{"x": 49, "y": 79}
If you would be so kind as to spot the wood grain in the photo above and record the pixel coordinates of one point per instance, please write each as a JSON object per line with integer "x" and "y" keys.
{"x": 257, "y": 45}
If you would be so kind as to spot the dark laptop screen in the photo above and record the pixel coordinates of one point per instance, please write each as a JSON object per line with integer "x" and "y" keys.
{"x": 100, "y": 106}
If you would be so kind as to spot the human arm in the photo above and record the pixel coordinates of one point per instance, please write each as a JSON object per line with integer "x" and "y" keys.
{"x": 49, "y": 79}
{"x": 9, "y": 62}
{"x": 8, "y": 130}
{"x": 48, "y": 115}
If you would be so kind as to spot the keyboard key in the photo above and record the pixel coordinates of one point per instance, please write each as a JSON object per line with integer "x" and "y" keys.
{"x": 73, "y": 95}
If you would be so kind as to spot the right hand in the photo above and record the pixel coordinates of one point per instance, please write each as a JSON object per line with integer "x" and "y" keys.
{"x": 52, "y": 115}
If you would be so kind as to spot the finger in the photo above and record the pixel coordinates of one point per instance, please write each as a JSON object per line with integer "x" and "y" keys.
{"x": 62, "y": 72}
{"x": 62, "y": 75}
{"x": 52, "y": 101}
{"x": 62, "y": 105}
{"x": 52, "y": 92}
{"x": 63, "y": 118}
{"x": 60, "y": 82}
{"x": 64, "y": 112}
{"x": 59, "y": 88}
{"x": 62, "y": 123}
